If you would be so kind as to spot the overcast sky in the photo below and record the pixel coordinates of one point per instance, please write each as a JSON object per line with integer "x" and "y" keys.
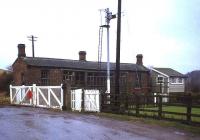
{"x": 166, "y": 32}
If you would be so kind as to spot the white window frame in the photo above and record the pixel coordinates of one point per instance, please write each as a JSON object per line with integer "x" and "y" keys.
{"x": 181, "y": 80}
{"x": 176, "y": 80}
{"x": 159, "y": 77}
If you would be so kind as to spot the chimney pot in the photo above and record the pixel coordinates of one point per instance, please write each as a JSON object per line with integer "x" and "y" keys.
{"x": 82, "y": 55}
{"x": 21, "y": 50}
{"x": 139, "y": 59}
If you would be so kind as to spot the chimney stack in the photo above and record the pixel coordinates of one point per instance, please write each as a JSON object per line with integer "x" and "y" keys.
{"x": 82, "y": 55}
{"x": 139, "y": 59}
{"x": 21, "y": 50}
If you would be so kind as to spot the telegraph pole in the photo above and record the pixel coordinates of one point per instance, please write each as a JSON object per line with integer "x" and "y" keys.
{"x": 32, "y": 39}
{"x": 117, "y": 71}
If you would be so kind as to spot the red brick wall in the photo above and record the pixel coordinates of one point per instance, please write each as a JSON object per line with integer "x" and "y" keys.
{"x": 19, "y": 67}
{"x": 145, "y": 77}
{"x": 32, "y": 75}
{"x": 56, "y": 76}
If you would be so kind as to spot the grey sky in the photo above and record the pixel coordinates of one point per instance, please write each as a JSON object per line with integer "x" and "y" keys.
{"x": 166, "y": 32}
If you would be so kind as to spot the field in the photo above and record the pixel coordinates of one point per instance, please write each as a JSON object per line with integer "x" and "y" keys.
{"x": 171, "y": 112}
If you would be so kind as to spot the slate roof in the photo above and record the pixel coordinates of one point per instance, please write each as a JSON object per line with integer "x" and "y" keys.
{"x": 170, "y": 72}
{"x": 76, "y": 64}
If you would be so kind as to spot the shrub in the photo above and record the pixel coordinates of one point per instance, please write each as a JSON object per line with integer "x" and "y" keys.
{"x": 5, "y": 80}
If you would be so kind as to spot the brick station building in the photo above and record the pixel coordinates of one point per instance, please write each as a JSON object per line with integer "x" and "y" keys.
{"x": 80, "y": 73}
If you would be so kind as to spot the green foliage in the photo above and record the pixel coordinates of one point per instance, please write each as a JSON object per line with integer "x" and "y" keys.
{"x": 4, "y": 100}
{"x": 5, "y": 80}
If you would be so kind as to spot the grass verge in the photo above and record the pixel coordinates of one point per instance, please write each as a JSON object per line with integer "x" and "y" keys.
{"x": 162, "y": 123}
{"x": 4, "y": 100}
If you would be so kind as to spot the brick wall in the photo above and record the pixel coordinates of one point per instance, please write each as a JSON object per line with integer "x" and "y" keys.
{"x": 32, "y": 75}
{"x": 144, "y": 83}
{"x": 19, "y": 68}
{"x": 56, "y": 76}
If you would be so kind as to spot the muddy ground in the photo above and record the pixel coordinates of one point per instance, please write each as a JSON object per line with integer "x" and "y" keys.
{"x": 24, "y": 123}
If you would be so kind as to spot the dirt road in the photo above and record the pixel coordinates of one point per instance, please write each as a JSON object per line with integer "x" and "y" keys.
{"x": 26, "y": 123}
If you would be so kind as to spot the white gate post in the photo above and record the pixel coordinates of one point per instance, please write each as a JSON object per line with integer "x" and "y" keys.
{"x": 21, "y": 93}
{"x": 34, "y": 95}
{"x": 11, "y": 94}
{"x": 49, "y": 97}
{"x": 61, "y": 97}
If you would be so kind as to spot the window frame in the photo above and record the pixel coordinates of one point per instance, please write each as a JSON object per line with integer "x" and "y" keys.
{"x": 45, "y": 77}
{"x": 176, "y": 80}
{"x": 68, "y": 75}
{"x": 157, "y": 80}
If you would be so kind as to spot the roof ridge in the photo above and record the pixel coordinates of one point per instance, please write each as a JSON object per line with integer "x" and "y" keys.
{"x": 74, "y": 60}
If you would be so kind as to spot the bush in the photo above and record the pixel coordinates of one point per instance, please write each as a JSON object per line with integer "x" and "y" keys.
{"x": 5, "y": 80}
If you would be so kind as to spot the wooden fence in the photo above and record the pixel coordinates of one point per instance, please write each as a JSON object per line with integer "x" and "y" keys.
{"x": 185, "y": 108}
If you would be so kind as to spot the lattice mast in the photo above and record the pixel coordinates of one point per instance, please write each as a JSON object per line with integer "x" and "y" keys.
{"x": 108, "y": 17}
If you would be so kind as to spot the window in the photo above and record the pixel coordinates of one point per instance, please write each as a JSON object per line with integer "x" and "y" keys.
{"x": 80, "y": 77}
{"x": 45, "y": 77}
{"x": 173, "y": 80}
{"x": 180, "y": 80}
{"x": 123, "y": 78}
{"x": 138, "y": 80}
{"x": 176, "y": 80}
{"x": 160, "y": 79}
{"x": 68, "y": 75}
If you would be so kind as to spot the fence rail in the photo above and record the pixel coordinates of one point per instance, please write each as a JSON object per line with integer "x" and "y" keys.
{"x": 182, "y": 108}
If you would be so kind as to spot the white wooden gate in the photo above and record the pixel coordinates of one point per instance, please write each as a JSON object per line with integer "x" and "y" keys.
{"x": 91, "y": 100}
{"x": 76, "y": 99}
{"x": 40, "y": 96}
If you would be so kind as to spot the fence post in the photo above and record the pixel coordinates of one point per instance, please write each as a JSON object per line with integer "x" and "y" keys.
{"x": 137, "y": 100}
{"x": 83, "y": 101}
{"x": 189, "y": 108}
{"x": 101, "y": 98}
{"x": 160, "y": 107}
{"x": 66, "y": 96}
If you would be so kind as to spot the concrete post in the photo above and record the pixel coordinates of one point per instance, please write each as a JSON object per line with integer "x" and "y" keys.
{"x": 66, "y": 95}
{"x": 83, "y": 101}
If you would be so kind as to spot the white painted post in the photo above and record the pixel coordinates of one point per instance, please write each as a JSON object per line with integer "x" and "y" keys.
{"x": 34, "y": 95}
{"x": 11, "y": 94}
{"x": 61, "y": 100}
{"x": 21, "y": 90}
{"x": 37, "y": 94}
{"x": 49, "y": 97}
{"x": 71, "y": 100}
{"x": 155, "y": 98}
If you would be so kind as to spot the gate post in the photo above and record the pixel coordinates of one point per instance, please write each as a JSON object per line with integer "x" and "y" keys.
{"x": 137, "y": 105}
{"x": 66, "y": 95}
{"x": 83, "y": 101}
{"x": 11, "y": 94}
{"x": 189, "y": 107}
{"x": 34, "y": 95}
{"x": 160, "y": 107}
